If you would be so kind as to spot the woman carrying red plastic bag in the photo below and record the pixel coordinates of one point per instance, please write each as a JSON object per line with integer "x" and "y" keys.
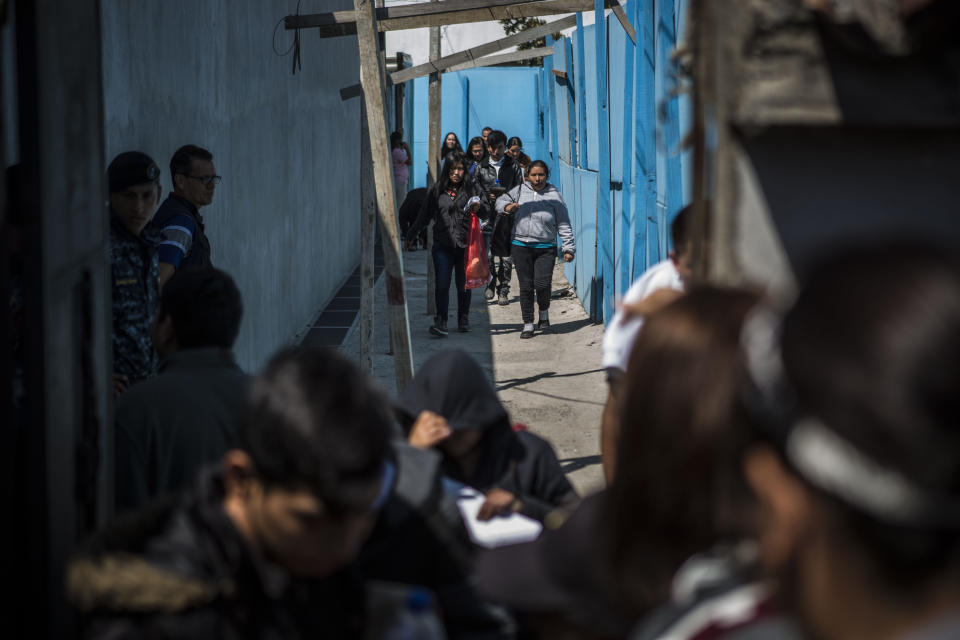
{"x": 475, "y": 257}
{"x": 453, "y": 204}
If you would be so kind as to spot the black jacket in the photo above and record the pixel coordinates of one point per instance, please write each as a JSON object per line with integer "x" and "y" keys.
{"x": 510, "y": 174}
{"x": 180, "y": 569}
{"x": 454, "y": 386}
{"x": 452, "y": 223}
{"x": 170, "y": 426}
{"x": 420, "y": 539}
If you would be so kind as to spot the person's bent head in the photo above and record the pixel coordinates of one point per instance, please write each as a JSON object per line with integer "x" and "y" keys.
{"x": 450, "y": 405}
{"x": 313, "y": 464}
{"x": 677, "y": 488}
{"x": 194, "y": 177}
{"x": 859, "y": 478}
{"x": 496, "y": 145}
{"x": 485, "y": 132}
{"x": 396, "y": 139}
{"x": 200, "y": 307}
{"x": 134, "y": 183}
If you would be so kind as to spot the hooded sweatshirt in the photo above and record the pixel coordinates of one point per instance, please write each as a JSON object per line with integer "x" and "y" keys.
{"x": 541, "y": 216}
{"x": 454, "y": 386}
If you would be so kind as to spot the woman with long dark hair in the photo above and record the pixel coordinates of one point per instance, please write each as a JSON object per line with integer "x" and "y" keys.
{"x": 515, "y": 151}
{"x": 450, "y": 144}
{"x": 677, "y": 518}
{"x": 449, "y": 204}
{"x": 476, "y": 154}
{"x": 539, "y": 214}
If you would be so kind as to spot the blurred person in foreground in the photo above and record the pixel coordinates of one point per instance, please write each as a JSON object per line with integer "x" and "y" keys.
{"x": 858, "y": 473}
{"x": 673, "y": 530}
{"x": 170, "y": 426}
{"x": 451, "y": 407}
{"x": 657, "y": 286}
{"x": 295, "y": 499}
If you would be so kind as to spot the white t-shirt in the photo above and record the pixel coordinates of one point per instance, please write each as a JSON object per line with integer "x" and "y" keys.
{"x": 619, "y": 337}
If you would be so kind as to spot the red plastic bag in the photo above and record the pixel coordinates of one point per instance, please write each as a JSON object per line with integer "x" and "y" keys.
{"x": 475, "y": 257}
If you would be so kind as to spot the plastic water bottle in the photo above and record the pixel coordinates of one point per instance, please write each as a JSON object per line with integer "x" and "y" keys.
{"x": 416, "y": 619}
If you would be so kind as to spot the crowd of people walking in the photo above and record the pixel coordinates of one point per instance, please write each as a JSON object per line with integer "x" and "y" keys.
{"x": 521, "y": 214}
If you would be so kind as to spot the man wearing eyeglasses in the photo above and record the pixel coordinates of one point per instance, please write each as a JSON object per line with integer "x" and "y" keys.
{"x": 178, "y": 222}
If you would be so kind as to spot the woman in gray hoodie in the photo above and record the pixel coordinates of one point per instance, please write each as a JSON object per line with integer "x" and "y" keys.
{"x": 539, "y": 214}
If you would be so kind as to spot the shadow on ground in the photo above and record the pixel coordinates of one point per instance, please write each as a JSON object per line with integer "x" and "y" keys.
{"x": 516, "y": 382}
{"x": 575, "y": 464}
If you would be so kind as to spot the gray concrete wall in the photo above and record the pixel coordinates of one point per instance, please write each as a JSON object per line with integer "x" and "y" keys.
{"x": 285, "y": 220}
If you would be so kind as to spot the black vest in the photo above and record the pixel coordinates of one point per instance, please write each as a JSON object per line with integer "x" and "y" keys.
{"x": 199, "y": 255}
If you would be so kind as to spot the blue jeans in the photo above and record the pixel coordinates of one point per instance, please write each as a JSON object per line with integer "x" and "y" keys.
{"x": 448, "y": 261}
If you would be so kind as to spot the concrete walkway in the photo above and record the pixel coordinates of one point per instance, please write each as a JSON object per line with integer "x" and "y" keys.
{"x": 552, "y": 383}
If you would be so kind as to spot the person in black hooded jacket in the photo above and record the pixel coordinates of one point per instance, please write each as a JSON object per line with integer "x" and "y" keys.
{"x": 449, "y": 405}
{"x": 451, "y": 202}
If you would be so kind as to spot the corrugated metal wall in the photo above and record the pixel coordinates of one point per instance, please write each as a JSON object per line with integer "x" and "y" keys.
{"x": 559, "y": 120}
{"x": 648, "y": 173}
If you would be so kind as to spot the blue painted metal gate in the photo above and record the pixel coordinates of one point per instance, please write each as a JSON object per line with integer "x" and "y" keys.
{"x": 610, "y": 128}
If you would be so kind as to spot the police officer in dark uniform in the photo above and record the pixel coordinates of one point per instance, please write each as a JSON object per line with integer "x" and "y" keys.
{"x": 134, "y": 180}
{"x": 183, "y": 239}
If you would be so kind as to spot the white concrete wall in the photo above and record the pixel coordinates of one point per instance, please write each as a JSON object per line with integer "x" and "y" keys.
{"x": 285, "y": 219}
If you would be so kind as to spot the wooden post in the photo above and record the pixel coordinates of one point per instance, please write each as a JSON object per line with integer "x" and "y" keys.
{"x": 433, "y": 159}
{"x": 368, "y": 227}
{"x": 372, "y": 79}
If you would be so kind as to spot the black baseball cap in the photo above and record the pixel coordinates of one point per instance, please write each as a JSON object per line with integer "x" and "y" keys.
{"x": 130, "y": 168}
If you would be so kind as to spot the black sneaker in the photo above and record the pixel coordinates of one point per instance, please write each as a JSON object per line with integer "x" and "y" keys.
{"x": 463, "y": 325}
{"x": 439, "y": 328}
{"x": 489, "y": 294}
{"x": 526, "y": 333}
{"x": 503, "y": 299}
{"x": 543, "y": 324}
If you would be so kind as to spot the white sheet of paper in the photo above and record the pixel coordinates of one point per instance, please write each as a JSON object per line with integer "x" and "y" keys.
{"x": 496, "y": 532}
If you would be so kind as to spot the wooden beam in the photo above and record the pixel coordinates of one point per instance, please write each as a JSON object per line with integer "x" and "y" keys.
{"x": 372, "y": 79}
{"x": 513, "y": 56}
{"x": 353, "y": 91}
{"x": 624, "y": 22}
{"x": 560, "y": 74}
{"x": 434, "y": 100}
{"x": 368, "y": 234}
{"x": 469, "y": 55}
{"x": 342, "y": 23}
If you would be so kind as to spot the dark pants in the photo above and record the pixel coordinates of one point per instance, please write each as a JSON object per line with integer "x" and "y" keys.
{"x": 446, "y": 262}
{"x": 535, "y": 274}
{"x": 501, "y": 272}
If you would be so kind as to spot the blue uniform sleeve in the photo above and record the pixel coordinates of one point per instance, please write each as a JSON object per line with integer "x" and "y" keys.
{"x": 176, "y": 238}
